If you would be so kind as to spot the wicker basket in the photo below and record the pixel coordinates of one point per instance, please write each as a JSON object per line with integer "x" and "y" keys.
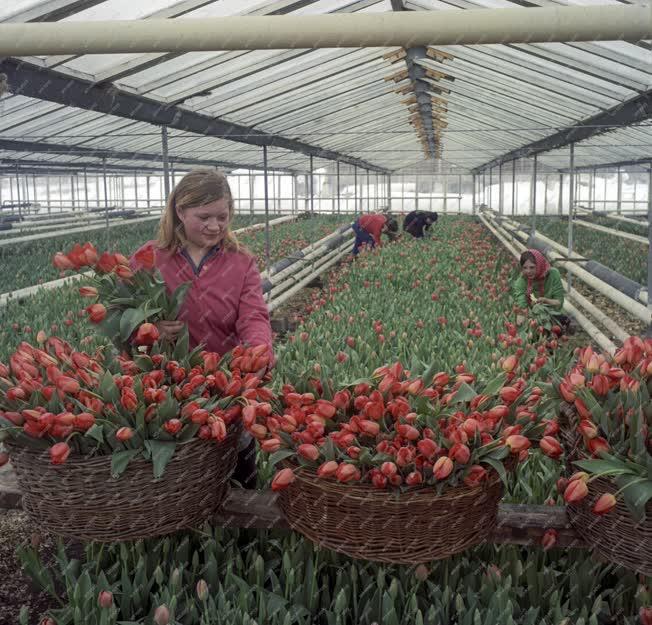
{"x": 81, "y": 500}
{"x": 402, "y": 528}
{"x": 615, "y": 536}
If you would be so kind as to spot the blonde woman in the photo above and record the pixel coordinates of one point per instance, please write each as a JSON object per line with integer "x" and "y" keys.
{"x": 224, "y": 306}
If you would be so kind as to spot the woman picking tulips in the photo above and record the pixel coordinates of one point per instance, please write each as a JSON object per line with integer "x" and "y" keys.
{"x": 368, "y": 229}
{"x": 539, "y": 283}
{"x": 224, "y": 305}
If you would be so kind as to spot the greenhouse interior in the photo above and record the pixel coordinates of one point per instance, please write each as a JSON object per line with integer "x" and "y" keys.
{"x": 417, "y": 388}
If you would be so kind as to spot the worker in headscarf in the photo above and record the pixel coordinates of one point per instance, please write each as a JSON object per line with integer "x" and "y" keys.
{"x": 368, "y": 229}
{"x": 417, "y": 222}
{"x": 539, "y": 283}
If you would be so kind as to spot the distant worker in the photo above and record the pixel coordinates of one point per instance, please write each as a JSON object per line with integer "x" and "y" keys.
{"x": 368, "y": 229}
{"x": 417, "y": 222}
{"x": 539, "y": 283}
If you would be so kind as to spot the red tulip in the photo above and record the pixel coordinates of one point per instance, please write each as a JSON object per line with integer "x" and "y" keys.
{"x": 645, "y": 615}
{"x": 124, "y": 434}
{"x": 442, "y": 468}
{"x": 413, "y": 479}
{"x": 123, "y": 272}
{"x": 388, "y": 469}
{"x": 147, "y": 334}
{"x": 549, "y": 539}
{"x": 128, "y": 399}
{"x": 218, "y": 429}
{"x": 88, "y": 291}
{"x": 475, "y": 476}
{"x": 509, "y": 394}
{"x": 271, "y": 445}
{"x": 327, "y": 469}
{"x": 379, "y": 481}
{"x": 84, "y": 421}
{"x": 283, "y": 479}
{"x": 517, "y": 443}
{"x": 597, "y": 445}
{"x": 576, "y": 491}
{"x": 551, "y": 447}
{"x": 605, "y": 503}
{"x": 173, "y": 426}
{"x": 59, "y": 453}
{"x": 67, "y": 385}
{"x": 62, "y": 262}
{"x": 4, "y": 458}
{"x": 309, "y": 452}
{"x": 509, "y": 364}
{"x": 105, "y": 599}
{"x": 105, "y": 263}
{"x": 162, "y": 615}
{"x": 146, "y": 258}
{"x": 460, "y": 453}
{"x": 96, "y": 312}
{"x": 347, "y": 472}
{"x": 427, "y": 448}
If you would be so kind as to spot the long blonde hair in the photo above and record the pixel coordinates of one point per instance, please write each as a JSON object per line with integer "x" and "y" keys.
{"x": 196, "y": 188}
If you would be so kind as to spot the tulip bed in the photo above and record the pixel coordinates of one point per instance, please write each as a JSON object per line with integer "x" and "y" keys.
{"x": 442, "y": 306}
{"x": 626, "y": 257}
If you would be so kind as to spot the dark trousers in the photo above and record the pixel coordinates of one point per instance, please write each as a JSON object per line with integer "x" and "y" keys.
{"x": 245, "y": 468}
{"x": 362, "y": 237}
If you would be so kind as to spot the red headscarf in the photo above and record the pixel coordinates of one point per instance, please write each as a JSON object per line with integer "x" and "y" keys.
{"x": 542, "y": 269}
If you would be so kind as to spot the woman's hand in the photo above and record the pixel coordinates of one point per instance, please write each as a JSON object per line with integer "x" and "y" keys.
{"x": 169, "y": 330}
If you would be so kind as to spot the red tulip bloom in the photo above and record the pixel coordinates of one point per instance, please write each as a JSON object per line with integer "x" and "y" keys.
{"x": 307, "y": 451}
{"x": 173, "y": 426}
{"x": 475, "y": 476}
{"x": 59, "y": 453}
{"x": 147, "y": 334}
{"x": 146, "y": 258}
{"x": 605, "y": 503}
{"x": 576, "y": 491}
{"x": 442, "y": 468}
{"x": 96, "y": 312}
{"x": 62, "y": 262}
{"x": 551, "y": 447}
{"x": 283, "y": 479}
{"x": 328, "y": 469}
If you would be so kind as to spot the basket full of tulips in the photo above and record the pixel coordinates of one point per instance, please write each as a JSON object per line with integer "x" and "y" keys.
{"x": 396, "y": 468}
{"x": 112, "y": 448}
{"x": 606, "y": 418}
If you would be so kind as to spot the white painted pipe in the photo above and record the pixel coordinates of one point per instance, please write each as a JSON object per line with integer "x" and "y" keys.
{"x": 563, "y": 252}
{"x": 516, "y": 248}
{"x": 352, "y": 30}
{"x": 598, "y": 315}
{"x": 611, "y": 231}
{"x": 631, "y": 306}
{"x": 343, "y": 251}
{"x": 644, "y": 224}
{"x": 298, "y": 276}
{"x": 604, "y": 343}
{"x": 50, "y": 235}
{"x": 309, "y": 258}
{"x": 307, "y": 253}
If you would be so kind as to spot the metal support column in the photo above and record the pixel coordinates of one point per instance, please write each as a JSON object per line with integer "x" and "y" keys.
{"x": 251, "y": 180}
{"x": 445, "y": 192}
{"x": 513, "y": 187}
{"x": 560, "y": 201}
{"x": 355, "y": 190}
{"x": 267, "y": 244}
{"x": 72, "y": 193}
{"x": 619, "y": 204}
{"x": 86, "y": 188}
{"x": 533, "y": 209}
{"x": 491, "y": 198}
{"x": 368, "y": 193}
{"x": 649, "y": 249}
{"x": 571, "y": 201}
{"x": 592, "y": 190}
{"x": 337, "y": 163}
{"x": 312, "y": 190}
{"x": 501, "y": 195}
{"x": 136, "y": 188}
{"x": 166, "y": 163}
{"x": 47, "y": 194}
{"x": 473, "y": 195}
{"x": 20, "y": 211}
{"x": 106, "y": 200}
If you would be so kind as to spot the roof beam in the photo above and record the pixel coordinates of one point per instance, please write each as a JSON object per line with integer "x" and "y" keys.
{"x": 629, "y": 112}
{"x": 47, "y": 168}
{"x": 638, "y": 162}
{"x": 29, "y": 80}
{"x": 52, "y": 11}
{"x": 38, "y": 147}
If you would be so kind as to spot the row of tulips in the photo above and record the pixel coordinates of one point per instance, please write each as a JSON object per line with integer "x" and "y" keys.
{"x": 238, "y": 577}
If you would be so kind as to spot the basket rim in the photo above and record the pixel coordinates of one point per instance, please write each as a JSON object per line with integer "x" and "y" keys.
{"x": 363, "y": 492}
